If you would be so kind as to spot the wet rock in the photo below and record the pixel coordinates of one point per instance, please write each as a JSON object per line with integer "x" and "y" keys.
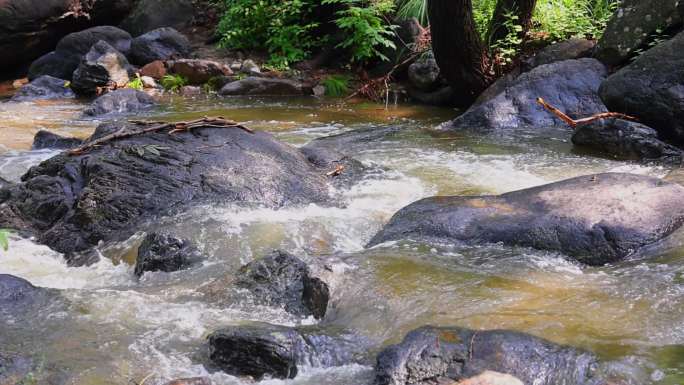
{"x": 652, "y": 89}
{"x": 191, "y": 381}
{"x": 121, "y": 101}
{"x": 569, "y": 85}
{"x": 250, "y": 67}
{"x": 159, "y": 44}
{"x": 424, "y": 74}
{"x": 197, "y": 71}
{"x": 565, "y": 50}
{"x": 431, "y": 355}
{"x": 159, "y": 252}
{"x": 189, "y": 91}
{"x": 102, "y": 66}
{"x": 19, "y": 296}
{"x": 261, "y": 349}
{"x": 72, "y": 48}
{"x": 443, "y": 96}
{"x": 596, "y": 219}
{"x": 14, "y": 369}
{"x": 152, "y": 14}
{"x": 48, "y": 140}
{"x": 633, "y": 24}
{"x": 31, "y": 28}
{"x": 155, "y": 70}
{"x": 281, "y": 279}
{"x": 71, "y": 203}
{"x": 263, "y": 86}
{"x": 3, "y": 183}
{"x": 625, "y": 140}
{"x": 44, "y": 87}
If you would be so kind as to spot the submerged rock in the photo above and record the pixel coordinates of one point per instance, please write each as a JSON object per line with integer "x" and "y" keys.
{"x": 72, "y": 48}
{"x": 121, "y": 101}
{"x": 151, "y": 14}
{"x": 191, "y": 381}
{"x": 569, "y": 85}
{"x": 159, "y": 252}
{"x": 160, "y": 44}
{"x": 625, "y": 140}
{"x": 264, "y": 87}
{"x": 652, "y": 89}
{"x": 48, "y": 140}
{"x": 282, "y": 279}
{"x": 596, "y": 219}
{"x": 102, "y": 66}
{"x": 633, "y": 24}
{"x": 436, "y": 355}
{"x": 19, "y": 296}
{"x": 44, "y": 87}
{"x": 260, "y": 350}
{"x": 73, "y": 202}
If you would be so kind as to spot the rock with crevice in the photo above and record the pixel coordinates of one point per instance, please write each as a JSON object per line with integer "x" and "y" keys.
{"x": 447, "y": 355}
{"x": 49, "y": 140}
{"x": 121, "y": 101}
{"x": 627, "y": 140}
{"x": 73, "y": 202}
{"x": 569, "y": 85}
{"x": 633, "y": 26}
{"x": 260, "y": 350}
{"x": 31, "y": 28}
{"x": 159, "y": 44}
{"x": 44, "y": 87}
{"x": 67, "y": 56}
{"x": 161, "y": 252}
{"x": 595, "y": 219}
{"x": 260, "y": 86}
{"x": 652, "y": 89}
{"x": 103, "y": 66}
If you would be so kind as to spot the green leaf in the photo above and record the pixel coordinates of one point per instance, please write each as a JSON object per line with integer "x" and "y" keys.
{"x": 4, "y": 239}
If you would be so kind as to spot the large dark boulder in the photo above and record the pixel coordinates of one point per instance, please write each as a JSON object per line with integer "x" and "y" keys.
{"x": 446, "y": 355}
{"x": 264, "y": 87}
{"x": 72, "y": 48}
{"x": 44, "y": 87}
{"x": 160, "y": 252}
{"x": 596, "y": 219}
{"x": 103, "y": 66}
{"x": 48, "y": 140}
{"x": 72, "y": 202}
{"x": 30, "y": 28}
{"x": 626, "y": 140}
{"x": 259, "y": 350}
{"x": 152, "y": 14}
{"x": 159, "y": 44}
{"x": 652, "y": 89}
{"x": 121, "y": 101}
{"x": 569, "y": 85}
{"x": 633, "y": 25}
{"x": 282, "y": 279}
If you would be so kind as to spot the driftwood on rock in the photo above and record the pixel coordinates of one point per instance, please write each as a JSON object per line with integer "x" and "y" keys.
{"x": 579, "y": 122}
{"x": 157, "y": 126}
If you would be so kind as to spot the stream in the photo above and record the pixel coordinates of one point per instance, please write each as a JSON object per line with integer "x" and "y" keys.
{"x": 112, "y": 329}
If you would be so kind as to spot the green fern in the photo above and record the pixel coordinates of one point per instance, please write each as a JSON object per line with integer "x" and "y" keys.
{"x": 136, "y": 84}
{"x": 173, "y": 83}
{"x": 336, "y": 85}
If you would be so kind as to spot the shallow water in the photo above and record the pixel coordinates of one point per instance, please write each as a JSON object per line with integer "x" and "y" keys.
{"x": 113, "y": 329}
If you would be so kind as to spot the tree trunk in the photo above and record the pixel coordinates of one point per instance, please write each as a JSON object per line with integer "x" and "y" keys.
{"x": 521, "y": 8}
{"x": 458, "y": 48}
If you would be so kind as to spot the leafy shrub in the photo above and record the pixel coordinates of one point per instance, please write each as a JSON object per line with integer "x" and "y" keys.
{"x": 507, "y": 48}
{"x": 136, "y": 84}
{"x": 336, "y": 85}
{"x": 4, "y": 239}
{"x": 173, "y": 83}
{"x": 366, "y": 31}
{"x": 561, "y": 19}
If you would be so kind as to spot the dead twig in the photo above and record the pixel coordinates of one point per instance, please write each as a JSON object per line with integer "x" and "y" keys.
{"x": 172, "y": 128}
{"x": 339, "y": 169}
{"x": 579, "y": 122}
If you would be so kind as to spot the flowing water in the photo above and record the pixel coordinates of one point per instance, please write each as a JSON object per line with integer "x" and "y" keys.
{"x": 111, "y": 328}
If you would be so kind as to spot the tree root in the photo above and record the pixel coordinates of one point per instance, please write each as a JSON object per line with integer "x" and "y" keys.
{"x": 579, "y": 122}
{"x": 157, "y": 126}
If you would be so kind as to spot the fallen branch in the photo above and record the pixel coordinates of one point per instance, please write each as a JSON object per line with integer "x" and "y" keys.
{"x": 337, "y": 171}
{"x": 579, "y": 122}
{"x": 172, "y": 128}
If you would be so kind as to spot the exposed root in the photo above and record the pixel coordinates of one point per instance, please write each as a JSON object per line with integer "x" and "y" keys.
{"x": 579, "y": 122}
{"x": 172, "y": 128}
